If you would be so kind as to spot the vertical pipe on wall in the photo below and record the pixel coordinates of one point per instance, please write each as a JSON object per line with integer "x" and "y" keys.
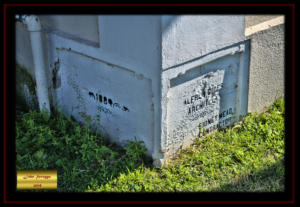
{"x": 35, "y": 30}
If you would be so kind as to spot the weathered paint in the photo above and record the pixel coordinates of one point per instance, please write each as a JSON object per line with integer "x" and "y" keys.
{"x": 141, "y": 80}
{"x": 90, "y": 88}
{"x": 187, "y": 37}
{"x": 203, "y": 96}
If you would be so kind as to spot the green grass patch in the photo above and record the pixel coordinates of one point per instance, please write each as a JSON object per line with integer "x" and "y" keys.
{"x": 248, "y": 157}
{"x": 81, "y": 157}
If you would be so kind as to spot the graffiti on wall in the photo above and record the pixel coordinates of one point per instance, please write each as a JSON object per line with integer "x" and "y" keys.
{"x": 107, "y": 102}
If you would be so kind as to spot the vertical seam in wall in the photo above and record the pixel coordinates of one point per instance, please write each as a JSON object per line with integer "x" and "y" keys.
{"x": 248, "y": 49}
{"x": 239, "y": 87}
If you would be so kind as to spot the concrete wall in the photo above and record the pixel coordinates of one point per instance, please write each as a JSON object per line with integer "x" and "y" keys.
{"x": 202, "y": 96}
{"x": 83, "y": 28}
{"x": 201, "y": 54}
{"x": 191, "y": 36}
{"x": 147, "y": 76}
{"x": 23, "y": 48}
{"x": 24, "y": 61}
{"x": 127, "y": 41}
{"x": 117, "y": 67}
{"x": 123, "y": 69}
{"x": 252, "y": 20}
{"x": 266, "y": 73}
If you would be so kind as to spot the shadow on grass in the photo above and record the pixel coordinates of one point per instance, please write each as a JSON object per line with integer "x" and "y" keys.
{"x": 269, "y": 179}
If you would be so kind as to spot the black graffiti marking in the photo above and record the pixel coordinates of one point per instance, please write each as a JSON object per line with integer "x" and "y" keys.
{"x": 125, "y": 108}
{"x": 105, "y": 100}
{"x": 92, "y": 94}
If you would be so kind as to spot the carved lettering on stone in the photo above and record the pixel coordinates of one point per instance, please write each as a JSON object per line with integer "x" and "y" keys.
{"x": 194, "y": 108}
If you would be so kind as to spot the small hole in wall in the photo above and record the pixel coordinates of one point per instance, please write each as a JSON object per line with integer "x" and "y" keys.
{"x": 110, "y": 101}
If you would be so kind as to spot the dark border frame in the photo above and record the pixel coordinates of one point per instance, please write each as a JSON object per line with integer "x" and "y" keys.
{"x": 291, "y": 116}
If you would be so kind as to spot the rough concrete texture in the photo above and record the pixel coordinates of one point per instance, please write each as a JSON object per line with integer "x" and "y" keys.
{"x": 193, "y": 109}
{"x": 202, "y": 96}
{"x": 122, "y": 99}
{"x": 251, "y": 20}
{"x": 266, "y": 72}
{"x": 130, "y": 43}
{"x": 147, "y": 72}
{"x": 187, "y": 37}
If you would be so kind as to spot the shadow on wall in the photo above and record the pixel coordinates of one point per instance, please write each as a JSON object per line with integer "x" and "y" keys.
{"x": 26, "y": 97}
{"x": 167, "y": 21}
{"x": 269, "y": 179}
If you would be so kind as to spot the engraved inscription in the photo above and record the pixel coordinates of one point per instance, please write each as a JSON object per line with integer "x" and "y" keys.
{"x": 195, "y": 108}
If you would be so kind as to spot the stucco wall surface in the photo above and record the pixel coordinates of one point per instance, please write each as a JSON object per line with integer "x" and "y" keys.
{"x": 187, "y": 37}
{"x": 266, "y": 72}
{"x": 251, "y": 20}
{"x": 147, "y": 74}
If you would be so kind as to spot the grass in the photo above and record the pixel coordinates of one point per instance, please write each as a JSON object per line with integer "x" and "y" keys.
{"x": 248, "y": 157}
{"x": 80, "y": 156}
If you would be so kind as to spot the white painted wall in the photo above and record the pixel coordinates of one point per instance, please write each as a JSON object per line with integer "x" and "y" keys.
{"x": 129, "y": 45}
{"x": 132, "y": 65}
{"x": 82, "y": 28}
{"x": 191, "y": 36}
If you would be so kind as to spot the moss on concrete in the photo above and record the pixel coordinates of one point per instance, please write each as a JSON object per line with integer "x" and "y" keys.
{"x": 25, "y": 90}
